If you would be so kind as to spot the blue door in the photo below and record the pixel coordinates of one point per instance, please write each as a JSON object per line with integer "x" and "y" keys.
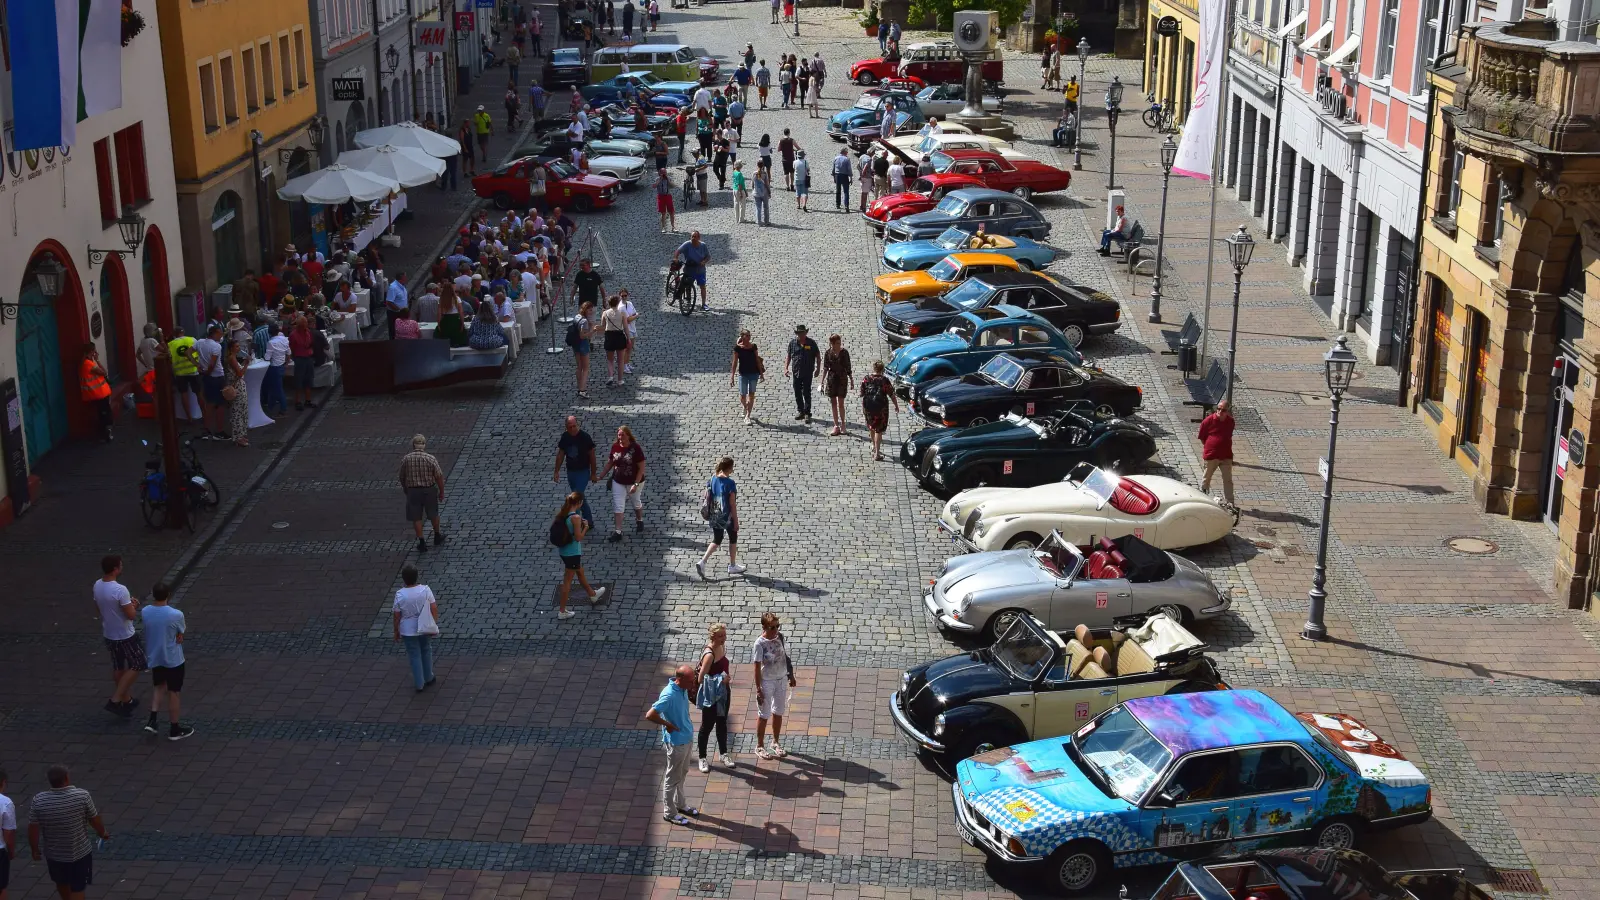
{"x": 39, "y": 382}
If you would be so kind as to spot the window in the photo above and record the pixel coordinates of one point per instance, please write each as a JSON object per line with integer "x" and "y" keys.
{"x": 1438, "y": 362}
{"x": 268, "y": 93}
{"x": 1458, "y": 162}
{"x": 1271, "y": 770}
{"x": 285, "y": 65}
{"x": 1044, "y": 379}
{"x": 1477, "y": 377}
{"x": 102, "y": 174}
{"x": 1207, "y": 777}
{"x": 208, "y": 97}
{"x": 252, "y": 100}
{"x": 1436, "y": 17}
{"x": 133, "y": 176}
{"x": 230, "y": 99}
{"x": 1494, "y": 210}
{"x": 1002, "y": 336}
{"x": 1386, "y": 33}
{"x": 300, "y": 58}
{"x": 1033, "y": 334}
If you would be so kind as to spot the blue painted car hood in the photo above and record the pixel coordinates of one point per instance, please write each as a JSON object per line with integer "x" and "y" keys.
{"x": 922, "y": 348}
{"x": 1038, "y": 774}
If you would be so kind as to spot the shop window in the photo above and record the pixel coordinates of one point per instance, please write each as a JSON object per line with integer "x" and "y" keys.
{"x": 1438, "y": 358}
{"x": 1477, "y": 377}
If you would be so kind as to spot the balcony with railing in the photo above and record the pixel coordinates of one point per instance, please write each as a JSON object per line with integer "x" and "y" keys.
{"x": 1525, "y": 84}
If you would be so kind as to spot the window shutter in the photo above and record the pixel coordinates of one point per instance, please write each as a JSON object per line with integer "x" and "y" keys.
{"x": 102, "y": 171}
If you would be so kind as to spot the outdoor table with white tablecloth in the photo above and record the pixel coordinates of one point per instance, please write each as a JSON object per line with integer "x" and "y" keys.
{"x": 380, "y": 222}
{"x": 512, "y": 329}
{"x": 527, "y": 318}
{"x": 252, "y": 381}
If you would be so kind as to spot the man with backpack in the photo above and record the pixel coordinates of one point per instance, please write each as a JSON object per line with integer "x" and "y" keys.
{"x": 877, "y": 392}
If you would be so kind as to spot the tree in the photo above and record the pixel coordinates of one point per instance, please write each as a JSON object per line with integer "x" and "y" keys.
{"x": 944, "y": 11}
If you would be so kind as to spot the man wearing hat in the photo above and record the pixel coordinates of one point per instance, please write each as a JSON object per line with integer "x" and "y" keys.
{"x": 804, "y": 361}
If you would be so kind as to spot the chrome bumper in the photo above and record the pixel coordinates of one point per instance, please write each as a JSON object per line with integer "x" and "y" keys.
{"x": 1224, "y": 603}
{"x": 976, "y": 835}
{"x": 956, "y": 536}
{"x": 1105, "y": 327}
{"x": 909, "y": 730}
{"x": 941, "y": 619}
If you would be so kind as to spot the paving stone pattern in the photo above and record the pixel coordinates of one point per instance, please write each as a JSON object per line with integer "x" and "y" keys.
{"x": 527, "y": 771}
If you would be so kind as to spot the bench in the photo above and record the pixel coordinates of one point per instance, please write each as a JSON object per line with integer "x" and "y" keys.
{"x": 1184, "y": 343}
{"x": 1208, "y": 393}
{"x": 382, "y": 367}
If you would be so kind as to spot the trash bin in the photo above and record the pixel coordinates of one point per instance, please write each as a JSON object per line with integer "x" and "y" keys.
{"x": 1188, "y": 358}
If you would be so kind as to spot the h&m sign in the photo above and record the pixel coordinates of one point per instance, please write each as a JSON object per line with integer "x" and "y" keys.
{"x": 429, "y": 36}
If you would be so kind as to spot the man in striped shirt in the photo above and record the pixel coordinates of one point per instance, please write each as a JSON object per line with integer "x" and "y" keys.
{"x": 56, "y": 820}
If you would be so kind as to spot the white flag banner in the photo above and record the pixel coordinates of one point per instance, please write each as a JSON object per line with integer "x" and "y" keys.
{"x": 100, "y": 57}
{"x": 1196, "y": 148}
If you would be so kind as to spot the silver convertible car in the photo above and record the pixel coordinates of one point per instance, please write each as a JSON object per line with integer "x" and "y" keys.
{"x": 1063, "y": 586}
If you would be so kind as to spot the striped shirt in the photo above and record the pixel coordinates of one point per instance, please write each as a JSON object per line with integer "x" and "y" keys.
{"x": 63, "y": 815}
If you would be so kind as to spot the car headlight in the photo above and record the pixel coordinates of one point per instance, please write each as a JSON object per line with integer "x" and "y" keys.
{"x": 983, "y": 527}
{"x": 938, "y": 462}
{"x": 966, "y": 603}
{"x": 914, "y": 368}
{"x": 938, "y": 725}
{"x": 955, "y": 513}
{"x": 905, "y": 682}
{"x": 936, "y": 408}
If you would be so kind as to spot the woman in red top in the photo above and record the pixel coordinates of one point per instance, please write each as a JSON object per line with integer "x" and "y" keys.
{"x": 626, "y": 468}
{"x": 714, "y": 661}
{"x": 301, "y": 348}
{"x": 1216, "y": 439}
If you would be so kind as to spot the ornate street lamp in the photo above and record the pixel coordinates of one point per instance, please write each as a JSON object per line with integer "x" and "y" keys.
{"x": 50, "y": 274}
{"x": 1169, "y": 157}
{"x": 1240, "y": 248}
{"x": 1340, "y": 367}
{"x": 1077, "y": 136}
{"x": 1113, "y": 110}
{"x": 131, "y": 226}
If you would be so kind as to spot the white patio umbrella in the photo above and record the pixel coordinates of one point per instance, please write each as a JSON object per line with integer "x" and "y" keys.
{"x": 408, "y": 166}
{"x": 409, "y": 135}
{"x": 338, "y": 184}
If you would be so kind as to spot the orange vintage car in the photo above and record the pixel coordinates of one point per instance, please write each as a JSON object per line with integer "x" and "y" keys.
{"x": 942, "y": 276}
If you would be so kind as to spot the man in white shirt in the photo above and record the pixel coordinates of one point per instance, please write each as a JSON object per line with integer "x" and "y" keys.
{"x": 117, "y": 612}
{"x": 272, "y": 395}
{"x": 530, "y": 283}
{"x": 503, "y": 309}
{"x": 932, "y": 127}
{"x": 702, "y": 99}
{"x": 464, "y": 280}
{"x": 208, "y": 351}
{"x": 897, "y": 176}
{"x": 395, "y": 300}
{"x": 575, "y": 131}
{"x": 631, "y": 315}
{"x": 583, "y": 122}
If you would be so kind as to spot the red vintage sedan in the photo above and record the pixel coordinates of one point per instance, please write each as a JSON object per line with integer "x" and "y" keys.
{"x": 565, "y": 186}
{"x": 921, "y": 196}
{"x": 1019, "y": 175}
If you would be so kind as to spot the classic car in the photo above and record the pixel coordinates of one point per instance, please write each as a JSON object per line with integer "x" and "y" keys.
{"x": 565, "y": 186}
{"x": 952, "y": 136}
{"x": 972, "y": 339}
{"x": 1076, "y": 311}
{"x": 998, "y": 212}
{"x": 945, "y": 274}
{"x": 929, "y": 62}
{"x": 1062, "y": 584}
{"x": 556, "y": 144}
{"x": 895, "y": 83}
{"x": 1310, "y": 873}
{"x": 1032, "y": 683}
{"x": 862, "y": 139}
{"x": 909, "y": 256}
{"x": 1019, "y": 451}
{"x": 564, "y": 66}
{"x": 626, "y": 85}
{"x": 949, "y": 97}
{"x": 624, "y": 124}
{"x": 1090, "y": 503}
{"x": 868, "y": 112}
{"x": 1019, "y": 175}
{"x": 1181, "y": 776}
{"x": 1031, "y": 381}
{"x": 917, "y": 197}
{"x": 651, "y": 100}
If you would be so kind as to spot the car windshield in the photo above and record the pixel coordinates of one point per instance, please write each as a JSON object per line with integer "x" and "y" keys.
{"x": 1002, "y": 370}
{"x": 1022, "y": 650}
{"x": 952, "y": 205}
{"x": 869, "y": 102}
{"x": 927, "y": 145}
{"x": 562, "y": 170}
{"x": 1059, "y": 557}
{"x": 945, "y": 269}
{"x": 962, "y": 328}
{"x": 645, "y": 77}
{"x": 568, "y": 56}
{"x": 1122, "y": 753}
{"x": 942, "y": 161}
{"x": 952, "y": 238}
{"x": 922, "y": 186}
{"x": 967, "y": 295}
{"x": 1095, "y": 482}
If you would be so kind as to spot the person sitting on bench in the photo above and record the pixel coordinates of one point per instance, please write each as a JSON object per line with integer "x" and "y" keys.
{"x": 1119, "y": 233}
{"x": 1065, "y": 130}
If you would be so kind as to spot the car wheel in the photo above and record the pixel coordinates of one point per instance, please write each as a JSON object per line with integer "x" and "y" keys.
{"x": 1026, "y": 540}
{"x": 866, "y": 79}
{"x": 1176, "y": 612}
{"x": 977, "y": 476}
{"x": 977, "y": 420}
{"x": 1024, "y": 266}
{"x": 584, "y": 203}
{"x": 999, "y": 623}
{"x": 973, "y": 744}
{"x": 1105, "y": 411}
{"x": 1023, "y": 192}
{"x": 502, "y": 200}
{"x": 1074, "y": 335}
{"x": 1337, "y": 834}
{"x": 1077, "y": 866}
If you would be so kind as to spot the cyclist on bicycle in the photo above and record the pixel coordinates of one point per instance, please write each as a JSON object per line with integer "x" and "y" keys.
{"x": 695, "y": 256}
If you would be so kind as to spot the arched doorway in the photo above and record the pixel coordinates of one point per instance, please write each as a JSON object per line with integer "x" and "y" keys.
{"x": 49, "y": 335}
{"x": 227, "y": 233}
{"x": 157, "y": 289}
{"x": 396, "y": 106}
{"x": 116, "y": 320}
{"x": 354, "y": 122}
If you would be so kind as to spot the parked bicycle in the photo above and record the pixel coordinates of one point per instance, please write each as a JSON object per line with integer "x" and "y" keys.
{"x": 1159, "y": 116}
{"x": 199, "y": 491}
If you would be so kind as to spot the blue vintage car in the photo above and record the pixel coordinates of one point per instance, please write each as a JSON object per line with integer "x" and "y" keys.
{"x": 869, "y": 111}
{"x": 1184, "y": 776}
{"x": 912, "y": 256}
{"x": 623, "y": 87}
{"x": 998, "y": 212}
{"x": 972, "y": 339}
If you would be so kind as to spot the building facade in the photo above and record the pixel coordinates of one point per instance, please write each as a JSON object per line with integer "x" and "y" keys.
{"x": 366, "y": 76}
{"x": 58, "y": 204}
{"x": 1171, "y": 29}
{"x": 239, "y": 81}
{"x": 1506, "y": 351}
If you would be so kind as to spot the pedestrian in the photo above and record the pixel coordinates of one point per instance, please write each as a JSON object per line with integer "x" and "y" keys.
{"x": 580, "y": 336}
{"x": 746, "y": 364}
{"x": 57, "y": 833}
{"x": 566, "y": 534}
{"x": 841, "y": 180}
{"x": 8, "y": 836}
{"x": 513, "y": 104}
{"x": 614, "y": 325}
{"x": 864, "y": 169}
{"x": 763, "y": 83}
{"x": 897, "y": 176}
{"x": 719, "y": 162}
{"x": 483, "y": 126}
{"x": 164, "y": 627}
{"x": 395, "y": 299}
{"x": 416, "y": 623}
{"x": 761, "y": 193}
{"x": 208, "y": 353}
{"x": 720, "y": 507}
{"x": 818, "y": 73}
{"x": 715, "y": 696}
{"x": 514, "y": 66}
{"x": 775, "y": 4}
{"x": 1069, "y": 94}
{"x": 575, "y": 449}
{"x": 1216, "y": 439}
{"x": 787, "y": 147}
{"x": 631, "y": 315}
{"x": 802, "y": 80}
{"x": 628, "y": 13}
{"x": 611, "y": 17}
{"x": 802, "y": 182}
{"x": 925, "y": 166}
{"x": 671, "y": 712}
{"x": 186, "y": 374}
{"x": 626, "y": 468}
{"x": 877, "y": 392}
{"x": 464, "y": 138}
{"x": 93, "y": 388}
{"x": 669, "y": 216}
{"x": 237, "y": 394}
{"x": 880, "y": 173}
{"x": 422, "y": 480}
{"x": 1044, "y": 65}
{"x": 785, "y": 80}
{"x": 804, "y": 360}
{"x": 774, "y": 676}
{"x": 655, "y": 14}
{"x": 117, "y": 615}
{"x": 836, "y": 379}
{"x": 741, "y": 193}
{"x": 536, "y": 36}
{"x": 743, "y": 76}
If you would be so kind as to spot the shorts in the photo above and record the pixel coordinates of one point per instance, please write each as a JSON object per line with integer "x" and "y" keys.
{"x": 718, "y": 526}
{"x": 127, "y": 654}
{"x": 621, "y": 499}
{"x": 801, "y": 189}
{"x": 170, "y": 677}
{"x": 190, "y": 383}
{"x": 213, "y": 387}
{"x": 877, "y": 420}
{"x": 747, "y": 384}
{"x": 616, "y": 340}
{"x": 788, "y": 165}
{"x": 583, "y": 348}
{"x": 422, "y": 503}
{"x": 573, "y": 562}
{"x": 663, "y": 201}
{"x": 698, "y": 276}
{"x": 774, "y": 698}
{"x": 75, "y": 875}
{"x": 305, "y": 369}
{"x": 5, "y": 870}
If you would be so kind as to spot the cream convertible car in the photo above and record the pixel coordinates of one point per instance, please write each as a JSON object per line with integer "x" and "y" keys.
{"x": 1087, "y": 505}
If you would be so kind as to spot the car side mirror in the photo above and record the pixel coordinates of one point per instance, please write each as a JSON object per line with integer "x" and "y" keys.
{"x": 1169, "y": 797}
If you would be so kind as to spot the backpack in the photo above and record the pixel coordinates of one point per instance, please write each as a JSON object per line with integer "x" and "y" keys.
{"x": 872, "y": 396}
{"x": 708, "y": 504}
{"x": 574, "y": 335}
{"x": 560, "y": 534}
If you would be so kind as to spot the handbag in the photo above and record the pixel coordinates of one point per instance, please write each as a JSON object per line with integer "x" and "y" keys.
{"x": 230, "y": 393}
{"x": 427, "y": 626}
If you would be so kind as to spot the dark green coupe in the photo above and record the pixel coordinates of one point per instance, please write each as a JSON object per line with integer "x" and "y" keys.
{"x": 1023, "y": 451}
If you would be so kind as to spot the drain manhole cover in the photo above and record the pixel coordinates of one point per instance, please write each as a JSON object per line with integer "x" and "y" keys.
{"x": 1522, "y": 881}
{"x": 1263, "y": 545}
{"x": 1473, "y": 546}
{"x": 279, "y": 526}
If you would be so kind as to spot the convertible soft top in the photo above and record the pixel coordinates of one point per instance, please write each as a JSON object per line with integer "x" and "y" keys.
{"x": 1145, "y": 562}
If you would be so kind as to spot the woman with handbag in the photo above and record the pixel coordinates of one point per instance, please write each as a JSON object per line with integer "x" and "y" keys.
{"x": 715, "y": 695}
{"x": 416, "y": 621}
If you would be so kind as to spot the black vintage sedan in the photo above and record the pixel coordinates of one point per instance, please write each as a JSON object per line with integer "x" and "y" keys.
{"x": 565, "y": 66}
{"x": 1031, "y": 381}
{"x": 1022, "y": 451}
{"x": 1310, "y": 873}
{"x": 1077, "y": 311}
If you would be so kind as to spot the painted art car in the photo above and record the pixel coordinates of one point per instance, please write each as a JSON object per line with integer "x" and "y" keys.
{"x": 909, "y": 256}
{"x": 998, "y": 212}
{"x": 868, "y": 111}
{"x": 1031, "y": 382}
{"x": 1311, "y": 873}
{"x": 1090, "y": 503}
{"x": 971, "y": 340}
{"x": 1033, "y": 683}
{"x": 929, "y": 62}
{"x": 1062, "y": 585}
{"x": 1077, "y": 311}
{"x": 1021, "y": 451}
{"x": 950, "y": 97}
{"x": 1159, "y": 779}
{"x": 565, "y": 186}
{"x": 947, "y": 273}
{"x": 564, "y": 66}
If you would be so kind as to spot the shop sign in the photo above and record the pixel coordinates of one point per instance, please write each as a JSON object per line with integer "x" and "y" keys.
{"x": 464, "y": 21}
{"x": 1168, "y": 26}
{"x": 429, "y": 36}
{"x": 349, "y": 89}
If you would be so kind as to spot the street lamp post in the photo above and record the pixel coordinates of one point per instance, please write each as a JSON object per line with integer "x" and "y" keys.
{"x": 1240, "y": 247}
{"x": 1113, "y": 109}
{"x": 797, "y": 21}
{"x": 1169, "y": 156}
{"x": 1077, "y": 134}
{"x": 1340, "y": 367}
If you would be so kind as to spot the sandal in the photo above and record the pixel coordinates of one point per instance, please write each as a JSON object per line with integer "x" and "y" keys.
{"x": 764, "y": 753}
{"x": 675, "y": 820}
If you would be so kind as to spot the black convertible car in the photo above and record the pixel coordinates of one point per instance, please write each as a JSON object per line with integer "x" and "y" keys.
{"x": 1023, "y": 451}
{"x": 1031, "y": 381}
{"x": 1076, "y": 310}
{"x": 1310, "y": 873}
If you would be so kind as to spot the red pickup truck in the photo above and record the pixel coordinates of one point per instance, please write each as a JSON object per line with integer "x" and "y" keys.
{"x": 933, "y": 62}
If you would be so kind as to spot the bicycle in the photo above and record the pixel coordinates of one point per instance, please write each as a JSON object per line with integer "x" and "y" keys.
{"x": 678, "y": 288}
{"x": 1159, "y": 113}
{"x": 201, "y": 492}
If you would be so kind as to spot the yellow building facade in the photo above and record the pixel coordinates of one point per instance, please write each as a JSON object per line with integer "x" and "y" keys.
{"x": 240, "y": 83}
{"x": 1171, "y": 31}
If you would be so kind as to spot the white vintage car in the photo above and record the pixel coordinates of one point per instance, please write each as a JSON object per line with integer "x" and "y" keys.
{"x": 1085, "y": 506}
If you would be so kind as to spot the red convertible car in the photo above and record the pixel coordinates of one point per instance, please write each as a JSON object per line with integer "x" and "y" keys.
{"x": 957, "y": 169}
{"x": 565, "y": 186}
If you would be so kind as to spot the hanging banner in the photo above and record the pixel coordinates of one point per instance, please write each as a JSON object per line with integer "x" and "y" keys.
{"x": 1198, "y": 145}
{"x": 428, "y": 36}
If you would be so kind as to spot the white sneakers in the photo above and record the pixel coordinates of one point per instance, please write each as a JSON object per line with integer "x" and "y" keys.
{"x": 749, "y": 421}
{"x": 563, "y": 616}
{"x": 736, "y": 570}
{"x": 704, "y": 766}
{"x": 727, "y": 760}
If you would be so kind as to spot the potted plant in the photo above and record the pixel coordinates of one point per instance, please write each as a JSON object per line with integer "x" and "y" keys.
{"x": 870, "y": 21}
{"x": 132, "y": 23}
{"x": 1066, "y": 32}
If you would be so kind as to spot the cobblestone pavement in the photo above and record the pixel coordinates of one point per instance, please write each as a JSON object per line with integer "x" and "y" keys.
{"x": 316, "y": 770}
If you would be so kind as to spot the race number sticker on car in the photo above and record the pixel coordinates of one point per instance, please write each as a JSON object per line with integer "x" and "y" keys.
{"x": 1030, "y": 409}
{"x": 1082, "y": 711}
{"x": 1021, "y": 810}
{"x": 1006, "y": 469}
{"x": 1101, "y": 598}
{"x": 1139, "y": 533}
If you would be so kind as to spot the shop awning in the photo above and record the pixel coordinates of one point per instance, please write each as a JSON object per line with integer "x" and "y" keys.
{"x": 1345, "y": 55}
{"x": 1313, "y": 43}
{"x": 1293, "y": 24}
